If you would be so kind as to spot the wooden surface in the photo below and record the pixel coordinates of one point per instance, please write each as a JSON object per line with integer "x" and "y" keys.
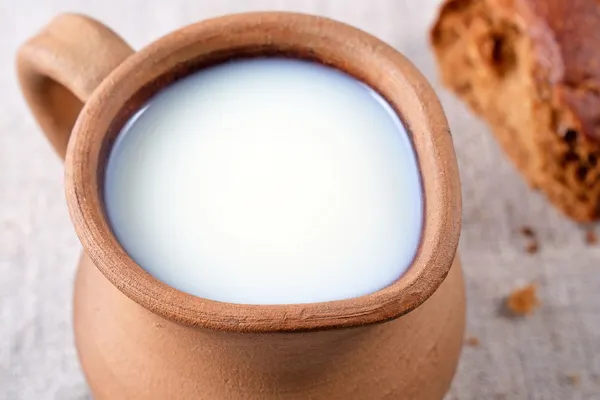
{"x": 552, "y": 354}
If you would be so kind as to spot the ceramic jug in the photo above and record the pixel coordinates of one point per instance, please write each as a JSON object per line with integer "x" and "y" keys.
{"x": 138, "y": 338}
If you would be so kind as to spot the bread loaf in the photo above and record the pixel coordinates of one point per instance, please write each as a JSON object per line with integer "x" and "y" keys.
{"x": 531, "y": 70}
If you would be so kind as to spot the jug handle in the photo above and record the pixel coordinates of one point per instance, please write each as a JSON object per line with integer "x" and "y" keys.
{"x": 61, "y": 66}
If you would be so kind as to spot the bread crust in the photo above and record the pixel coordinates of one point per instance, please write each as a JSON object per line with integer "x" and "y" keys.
{"x": 531, "y": 70}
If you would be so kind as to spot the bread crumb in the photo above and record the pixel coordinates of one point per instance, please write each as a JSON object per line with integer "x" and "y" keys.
{"x": 523, "y": 301}
{"x": 573, "y": 379}
{"x": 527, "y": 231}
{"x": 590, "y": 237}
{"x": 532, "y": 247}
{"x": 473, "y": 341}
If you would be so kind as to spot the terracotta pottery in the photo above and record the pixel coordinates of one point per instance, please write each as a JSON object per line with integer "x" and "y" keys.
{"x": 137, "y": 338}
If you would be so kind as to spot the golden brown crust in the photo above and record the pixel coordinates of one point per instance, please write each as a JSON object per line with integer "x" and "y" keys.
{"x": 529, "y": 68}
{"x": 575, "y": 27}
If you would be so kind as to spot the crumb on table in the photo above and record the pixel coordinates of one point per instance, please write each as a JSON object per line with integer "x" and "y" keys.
{"x": 527, "y": 231}
{"x": 532, "y": 247}
{"x": 523, "y": 301}
{"x": 573, "y": 379}
{"x": 473, "y": 341}
{"x": 590, "y": 237}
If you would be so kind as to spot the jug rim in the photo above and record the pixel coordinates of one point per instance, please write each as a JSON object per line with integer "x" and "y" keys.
{"x": 267, "y": 34}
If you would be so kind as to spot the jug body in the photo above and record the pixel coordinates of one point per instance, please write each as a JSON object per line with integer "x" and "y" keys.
{"x": 128, "y": 352}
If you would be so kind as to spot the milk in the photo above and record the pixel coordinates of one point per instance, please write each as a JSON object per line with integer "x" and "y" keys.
{"x": 267, "y": 181}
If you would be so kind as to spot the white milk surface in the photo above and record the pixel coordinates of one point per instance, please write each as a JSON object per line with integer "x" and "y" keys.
{"x": 267, "y": 181}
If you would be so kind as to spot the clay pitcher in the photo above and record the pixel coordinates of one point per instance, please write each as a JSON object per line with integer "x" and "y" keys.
{"x": 138, "y": 338}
